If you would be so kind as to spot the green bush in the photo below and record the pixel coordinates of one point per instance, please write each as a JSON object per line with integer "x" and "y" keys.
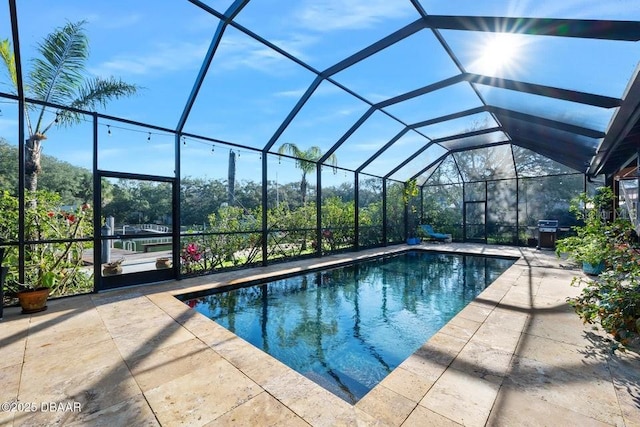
{"x": 613, "y": 298}
{"x": 57, "y": 264}
{"x": 590, "y": 242}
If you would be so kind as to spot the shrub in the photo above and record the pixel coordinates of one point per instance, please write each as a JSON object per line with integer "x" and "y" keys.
{"x": 613, "y": 298}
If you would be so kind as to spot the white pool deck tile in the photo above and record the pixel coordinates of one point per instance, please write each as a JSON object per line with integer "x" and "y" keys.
{"x": 517, "y": 355}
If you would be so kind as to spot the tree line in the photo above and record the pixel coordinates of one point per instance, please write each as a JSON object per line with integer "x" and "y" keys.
{"x": 142, "y": 201}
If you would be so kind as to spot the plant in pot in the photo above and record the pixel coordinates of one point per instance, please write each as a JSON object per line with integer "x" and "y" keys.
{"x": 163, "y": 262}
{"x": 53, "y": 255}
{"x": 33, "y": 297}
{"x": 591, "y": 243}
{"x": 112, "y": 268}
{"x": 612, "y": 299}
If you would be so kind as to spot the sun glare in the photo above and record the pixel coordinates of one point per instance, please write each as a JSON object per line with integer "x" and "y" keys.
{"x": 499, "y": 54}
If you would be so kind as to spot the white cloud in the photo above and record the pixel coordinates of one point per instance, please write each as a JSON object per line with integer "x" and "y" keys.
{"x": 331, "y": 15}
{"x": 378, "y": 97}
{"x": 296, "y": 93}
{"x": 371, "y": 145}
{"x": 296, "y": 44}
{"x": 163, "y": 57}
{"x": 237, "y": 52}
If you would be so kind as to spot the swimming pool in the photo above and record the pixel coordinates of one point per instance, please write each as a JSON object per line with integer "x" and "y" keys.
{"x": 346, "y": 328}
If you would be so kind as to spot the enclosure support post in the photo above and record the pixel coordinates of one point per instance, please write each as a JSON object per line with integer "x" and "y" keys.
{"x": 464, "y": 214}
{"x": 486, "y": 216}
{"x": 97, "y": 210}
{"x": 265, "y": 234}
{"x": 384, "y": 212}
{"x": 422, "y": 205}
{"x": 406, "y": 214}
{"x": 356, "y": 209}
{"x": 318, "y": 209}
{"x": 13, "y": 11}
{"x": 176, "y": 208}
{"x": 517, "y": 236}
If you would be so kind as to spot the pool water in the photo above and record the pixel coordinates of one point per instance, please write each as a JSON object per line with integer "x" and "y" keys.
{"x": 347, "y": 328}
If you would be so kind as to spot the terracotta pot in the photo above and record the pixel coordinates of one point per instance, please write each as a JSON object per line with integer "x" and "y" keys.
{"x": 110, "y": 271}
{"x": 163, "y": 263}
{"x": 33, "y": 300}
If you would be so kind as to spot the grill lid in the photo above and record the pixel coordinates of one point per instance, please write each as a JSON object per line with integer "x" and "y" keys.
{"x": 548, "y": 225}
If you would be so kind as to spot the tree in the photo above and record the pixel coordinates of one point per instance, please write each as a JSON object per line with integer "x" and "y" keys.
{"x": 72, "y": 183}
{"x": 59, "y": 76}
{"x": 306, "y": 161}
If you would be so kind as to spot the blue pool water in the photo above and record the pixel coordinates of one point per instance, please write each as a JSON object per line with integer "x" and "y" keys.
{"x": 347, "y": 328}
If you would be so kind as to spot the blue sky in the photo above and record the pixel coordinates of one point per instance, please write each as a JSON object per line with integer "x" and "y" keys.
{"x": 250, "y": 88}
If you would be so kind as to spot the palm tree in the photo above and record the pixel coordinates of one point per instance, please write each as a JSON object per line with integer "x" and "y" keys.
{"x": 306, "y": 162}
{"x": 59, "y": 76}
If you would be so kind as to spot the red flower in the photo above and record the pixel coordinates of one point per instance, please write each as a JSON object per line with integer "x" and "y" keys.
{"x": 50, "y": 214}
{"x": 71, "y": 218}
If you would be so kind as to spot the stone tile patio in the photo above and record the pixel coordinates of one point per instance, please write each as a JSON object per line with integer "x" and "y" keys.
{"x": 517, "y": 355}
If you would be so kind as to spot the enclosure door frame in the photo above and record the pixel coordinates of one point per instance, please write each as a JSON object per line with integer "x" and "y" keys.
{"x": 103, "y": 282}
{"x": 478, "y": 237}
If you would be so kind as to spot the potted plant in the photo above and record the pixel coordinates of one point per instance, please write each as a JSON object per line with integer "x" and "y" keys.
{"x": 33, "y": 298}
{"x": 590, "y": 244}
{"x": 112, "y": 268}
{"x": 52, "y": 267}
{"x": 589, "y": 251}
{"x": 611, "y": 299}
{"x": 163, "y": 262}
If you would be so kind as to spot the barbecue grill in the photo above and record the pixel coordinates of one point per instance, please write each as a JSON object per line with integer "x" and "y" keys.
{"x": 547, "y": 233}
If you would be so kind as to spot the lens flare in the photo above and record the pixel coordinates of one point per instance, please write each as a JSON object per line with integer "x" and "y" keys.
{"x": 500, "y": 53}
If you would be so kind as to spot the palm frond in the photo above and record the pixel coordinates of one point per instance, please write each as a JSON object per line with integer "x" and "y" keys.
{"x": 290, "y": 148}
{"x": 306, "y": 159}
{"x": 95, "y": 92}
{"x": 57, "y": 74}
{"x": 313, "y": 153}
{"x": 8, "y": 60}
{"x": 332, "y": 160}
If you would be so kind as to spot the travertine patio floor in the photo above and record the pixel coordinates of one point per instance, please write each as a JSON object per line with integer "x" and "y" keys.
{"x": 517, "y": 355}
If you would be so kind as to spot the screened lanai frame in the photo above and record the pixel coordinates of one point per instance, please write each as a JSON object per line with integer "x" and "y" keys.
{"x": 504, "y": 124}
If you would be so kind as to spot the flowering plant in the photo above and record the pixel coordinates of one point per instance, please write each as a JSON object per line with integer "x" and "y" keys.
{"x": 191, "y": 255}
{"x": 57, "y": 237}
